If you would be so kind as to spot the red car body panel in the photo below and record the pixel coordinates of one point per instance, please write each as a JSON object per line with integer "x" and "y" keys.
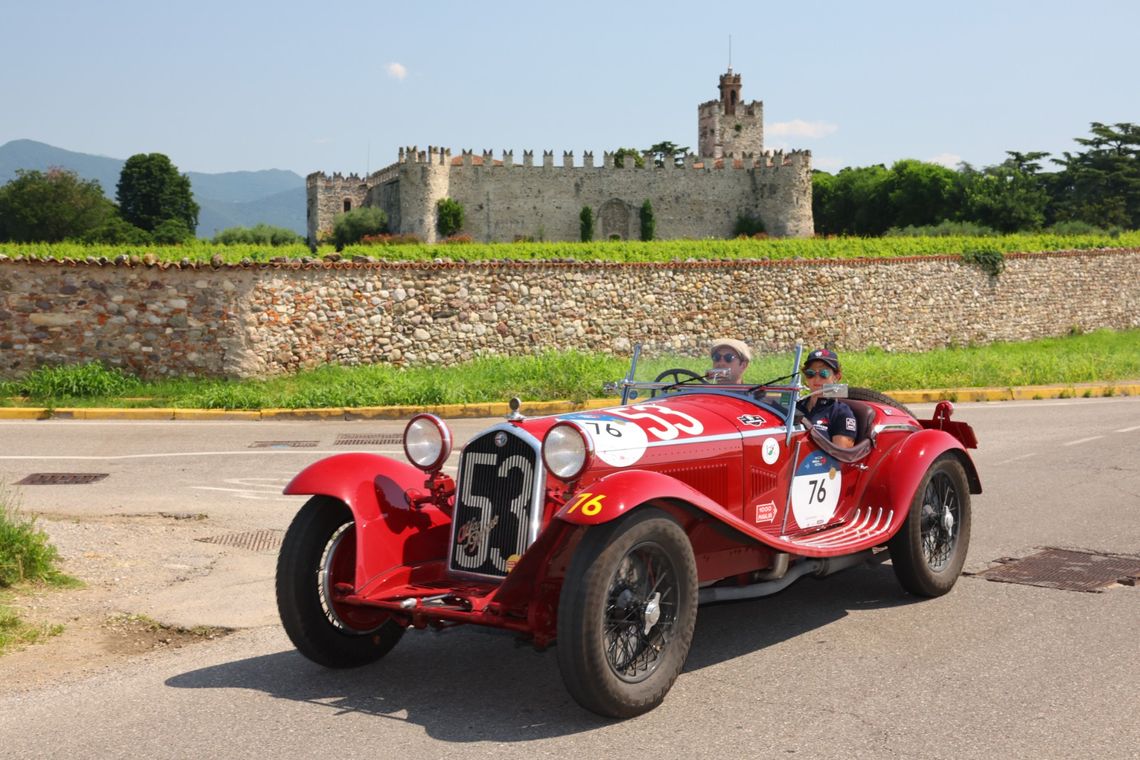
{"x": 720, "y": 463}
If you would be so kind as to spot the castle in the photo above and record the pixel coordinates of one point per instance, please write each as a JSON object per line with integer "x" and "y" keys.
{"x": 702, "y": 196}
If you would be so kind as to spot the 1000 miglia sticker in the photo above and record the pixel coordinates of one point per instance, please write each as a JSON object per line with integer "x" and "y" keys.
{"x": 620, "y": 436}
{"x": 815, "y": 490}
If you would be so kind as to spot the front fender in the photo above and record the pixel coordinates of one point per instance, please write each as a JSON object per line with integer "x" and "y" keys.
{"x": 367, "y": 483}
{"x": 391, "y": 537}
{"x": 913, "y": 457}
{"x": 612, "y": 496}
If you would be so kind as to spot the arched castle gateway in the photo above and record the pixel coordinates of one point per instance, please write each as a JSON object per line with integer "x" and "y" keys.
{"x": 505, "y": 201}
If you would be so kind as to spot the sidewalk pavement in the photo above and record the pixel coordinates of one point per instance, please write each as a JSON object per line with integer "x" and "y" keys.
{"x": 534, "y": 408}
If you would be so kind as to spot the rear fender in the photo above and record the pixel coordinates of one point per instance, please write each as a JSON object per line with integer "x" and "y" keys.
{"x": 614, "y": 495}
{"x": 910, "y": 461}
{"x": 389, "y": 533}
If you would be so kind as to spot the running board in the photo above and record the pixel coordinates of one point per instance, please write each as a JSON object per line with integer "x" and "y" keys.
{"x": 819, "y": 567}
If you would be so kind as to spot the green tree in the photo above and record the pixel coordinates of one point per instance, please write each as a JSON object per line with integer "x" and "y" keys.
{"x": 259, "y": 234}
{"x": 448, "y": 217}
{"x": 116, "y": 231}
{"x": 1101, "y": 185}
{"x": 172, "y": 232}
{"x": 648, "y": 221}
{"x": 50, "y": 207}
{"x": 621, "y": 153}
{"x": 668, "y": 151}
{"x": 921, "y": 193}
{"x": 351, "y": 226}
{"x": 151, "y": 190}
{"x": 852, "y": 202}
{"x": 586, "y": 224}
{"x": 1007, "y": 197}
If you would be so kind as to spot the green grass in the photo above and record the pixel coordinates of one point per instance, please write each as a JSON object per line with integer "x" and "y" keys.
{"x": 619, "y": 251}
{"x": 27, "y": 559}
{"x": 1102, "y": 356}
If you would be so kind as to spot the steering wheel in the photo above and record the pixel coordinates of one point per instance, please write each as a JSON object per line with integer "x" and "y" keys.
{"x": 679, "y": 375}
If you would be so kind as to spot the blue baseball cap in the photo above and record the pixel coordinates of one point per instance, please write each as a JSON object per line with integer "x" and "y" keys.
{"x": 824, "y": 355}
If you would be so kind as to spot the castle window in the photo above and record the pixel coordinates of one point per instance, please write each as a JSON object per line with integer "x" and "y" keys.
{"x": 347, "y": 205}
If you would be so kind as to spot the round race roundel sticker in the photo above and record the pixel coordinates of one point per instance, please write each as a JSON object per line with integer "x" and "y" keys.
{"x": 770, "y": 450}
{"x": 815, "y": 490}
{"x": 617, "y": 442}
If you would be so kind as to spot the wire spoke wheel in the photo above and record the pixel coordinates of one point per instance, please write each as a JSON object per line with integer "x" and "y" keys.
{"x": 627, "y": 613}
{"x": 316, "y": 565}
{"x": 640, "y": 613}
{"x": 929, "y": 550}
{"x": 940, "y": 520}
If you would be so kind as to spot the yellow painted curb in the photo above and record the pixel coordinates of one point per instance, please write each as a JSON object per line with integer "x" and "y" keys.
{"x": 332, "y": 412}
{"x": 114, "y": 414}
{"x": 1022, "y": 393}
{"x": 23, "y": 413}
{"x": 216, "y": 414}
{"x": 532, "y": 408}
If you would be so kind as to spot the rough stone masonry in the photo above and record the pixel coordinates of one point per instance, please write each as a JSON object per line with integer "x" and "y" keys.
{"x": 243, "y": 321}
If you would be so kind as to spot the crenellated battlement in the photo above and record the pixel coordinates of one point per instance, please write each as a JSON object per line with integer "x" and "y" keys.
{"x": 435, "y": 156}
{"x": 700, "y": 195}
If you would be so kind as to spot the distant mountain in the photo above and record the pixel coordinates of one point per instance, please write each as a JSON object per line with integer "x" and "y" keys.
{"x": 228, "y": 199}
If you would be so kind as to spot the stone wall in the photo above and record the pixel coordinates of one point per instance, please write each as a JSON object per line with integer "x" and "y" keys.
{"x": 269, "y": 319}
{"x": 504, "y": 200}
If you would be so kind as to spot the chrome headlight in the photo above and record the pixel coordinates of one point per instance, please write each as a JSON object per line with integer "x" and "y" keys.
{"x": 566, "y": 451}
{"x": 427, "y": 442}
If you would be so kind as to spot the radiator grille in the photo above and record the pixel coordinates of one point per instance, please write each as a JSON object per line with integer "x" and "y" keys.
{"x": 498, "y": 502}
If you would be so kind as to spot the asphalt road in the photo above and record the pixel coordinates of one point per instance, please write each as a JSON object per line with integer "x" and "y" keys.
{"x": 848, "y": 667}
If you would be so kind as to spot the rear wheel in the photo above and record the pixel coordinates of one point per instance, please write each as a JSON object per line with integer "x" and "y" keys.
{"x": 929, "y": 551}
{"x": 627, "y": 613}
{"x": 317, "y": 553}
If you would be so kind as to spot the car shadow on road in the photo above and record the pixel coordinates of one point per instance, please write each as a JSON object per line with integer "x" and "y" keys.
{"x": 470, "y": 684}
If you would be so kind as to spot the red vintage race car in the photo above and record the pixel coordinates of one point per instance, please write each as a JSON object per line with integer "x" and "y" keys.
{"x": 604, "y": 530}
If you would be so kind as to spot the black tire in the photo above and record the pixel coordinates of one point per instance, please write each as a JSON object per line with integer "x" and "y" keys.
{"x": 634, "y": 574}
{"x": 866, "y": 394}
{"x": 319, "y": 551}
{"x": 930, "y": 549}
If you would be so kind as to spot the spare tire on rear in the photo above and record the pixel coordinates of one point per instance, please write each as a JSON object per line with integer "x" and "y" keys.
{"x": 866, "y": 394}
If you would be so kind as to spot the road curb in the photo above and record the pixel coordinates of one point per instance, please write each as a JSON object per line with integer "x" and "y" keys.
{"x": 531, "y": 408}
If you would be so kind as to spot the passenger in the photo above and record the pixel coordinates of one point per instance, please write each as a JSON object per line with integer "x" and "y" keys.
{"x": 828, "y": 414}
{"x": 730, "y": 358}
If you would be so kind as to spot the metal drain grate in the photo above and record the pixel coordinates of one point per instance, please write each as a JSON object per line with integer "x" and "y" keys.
{"x": 1067, "y": 570}
{"x": 283, "y": 445}
{"x": 380, "y": 439}
{"x": 61, "y": 478}
{"x": 264, "y": 540}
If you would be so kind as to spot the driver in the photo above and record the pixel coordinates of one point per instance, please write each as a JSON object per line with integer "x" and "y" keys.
{"x": 730, "y": 358}
{"x": 828, "y": 414}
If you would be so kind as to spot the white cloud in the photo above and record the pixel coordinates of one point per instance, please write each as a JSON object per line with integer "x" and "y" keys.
{"x": 397, "y": 70}
{"x": 950, "y": 160}
{"x": 827, "y": 164}
{"x": 800, "y": 128}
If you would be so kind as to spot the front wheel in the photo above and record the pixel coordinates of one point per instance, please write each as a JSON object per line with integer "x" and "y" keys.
{"x": 318, "y": 553}
{"x": 930, "y": 549}
{"x": 627, "y": 613}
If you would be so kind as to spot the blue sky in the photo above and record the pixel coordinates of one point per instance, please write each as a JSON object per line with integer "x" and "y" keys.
{"x": 226, "y": 86}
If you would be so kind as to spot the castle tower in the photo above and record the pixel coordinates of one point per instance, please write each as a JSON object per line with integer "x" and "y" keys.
{"x": 729, "y": 127}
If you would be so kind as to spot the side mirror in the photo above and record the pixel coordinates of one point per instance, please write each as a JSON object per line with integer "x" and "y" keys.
{"x": 834, "y": 390}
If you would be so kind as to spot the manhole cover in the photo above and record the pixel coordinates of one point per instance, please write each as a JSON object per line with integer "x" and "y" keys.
{"x": 1067, "y": 570}
{"x": 283, "y": 445}
{"x": 265, "y": 540}
{"x": 61, "y": 478}
{"x": 381, "y": 439}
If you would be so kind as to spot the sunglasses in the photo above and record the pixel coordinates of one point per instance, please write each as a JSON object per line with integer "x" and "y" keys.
{"x": 728, "y": 357}
{"x": 824, "y": 373}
